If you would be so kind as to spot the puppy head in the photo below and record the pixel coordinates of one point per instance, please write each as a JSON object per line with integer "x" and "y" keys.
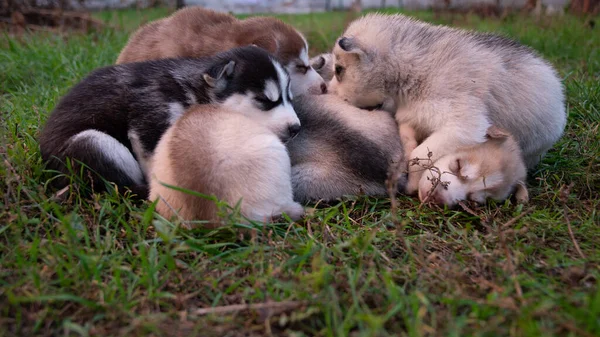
{"x": 493, "y": 169}
{"x": 304, "y": 78}
{"x": 250, "y": 81}
{"x": 291, "y": 49}
{"x": 357, "y": 78}
{"x": 323, "y": 65}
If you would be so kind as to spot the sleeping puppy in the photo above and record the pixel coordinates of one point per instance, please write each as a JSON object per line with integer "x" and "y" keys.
{"x": 112, "y": 120}
{"x": 342, "y": 150}
{"x": 199, "y": 32}
{"x": 494, "y": 169}
{"x": 223, "y": 154}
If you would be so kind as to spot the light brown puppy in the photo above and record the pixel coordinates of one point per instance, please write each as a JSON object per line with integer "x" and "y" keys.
{"x": 198, "y": 32}
{"x": 493, "y": 169}
{"x": 225, "y": 154}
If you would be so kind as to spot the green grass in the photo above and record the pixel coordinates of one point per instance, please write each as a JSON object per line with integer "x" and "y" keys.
{"x": 107, "y": 266}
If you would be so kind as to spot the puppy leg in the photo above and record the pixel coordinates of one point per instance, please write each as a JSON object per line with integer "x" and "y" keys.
{"x": 408, "y": 137}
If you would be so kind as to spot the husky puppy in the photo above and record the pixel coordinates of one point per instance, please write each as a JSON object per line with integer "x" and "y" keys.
{"x": 112, "y": 120}
{"x": 197, "y": 32}
{"x": 225, "y": 153}
{"x": 450, "y": 85}
{"x": 493, "y": 169}
{"x": 323, "y": 65}
{"x": 341, "y": 150}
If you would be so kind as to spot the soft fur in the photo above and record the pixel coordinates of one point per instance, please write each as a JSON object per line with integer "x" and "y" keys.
{"x": 222, "y": 153}
{"x": 341, "y": 150}
{"x": 493, "y": 169}
{"x": 198, "y": 32}
{"x": 450, "y": 85}
{"x": 113, "y": 119}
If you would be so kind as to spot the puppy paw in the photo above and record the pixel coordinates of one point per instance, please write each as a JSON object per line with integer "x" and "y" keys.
{"x": 412, "y": 185}
{"x": 294, "y": 210}
{"x": 521, "y": 193}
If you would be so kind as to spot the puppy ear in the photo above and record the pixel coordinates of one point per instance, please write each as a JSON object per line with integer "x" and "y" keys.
{"x": 224, "y": 73}
{"x": 317, "y": 62}
{"x": 351, "y": 45}
{"x": 494, "y": 132}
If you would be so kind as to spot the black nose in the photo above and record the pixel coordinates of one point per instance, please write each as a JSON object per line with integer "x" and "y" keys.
{"x": 293, "y": 129}
{"x": 323, "y": 88}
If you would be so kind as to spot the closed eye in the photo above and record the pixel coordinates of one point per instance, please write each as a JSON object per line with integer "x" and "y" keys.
{"x": 265, "y": 102}
{"x": 302, "y": 68}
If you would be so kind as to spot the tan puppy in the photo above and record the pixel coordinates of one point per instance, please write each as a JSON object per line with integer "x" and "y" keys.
{"x": 493, "y": 169}
{"x": 199, "y": 32}
{"x": 218, "y": 152}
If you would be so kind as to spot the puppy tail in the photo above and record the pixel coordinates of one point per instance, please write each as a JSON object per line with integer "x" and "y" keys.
{"x": 99, "y": 157}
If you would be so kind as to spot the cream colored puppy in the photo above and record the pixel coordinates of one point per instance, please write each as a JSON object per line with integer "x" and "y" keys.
{"x": 218, "y": 152}
{"x": 450, "y": 85}
{"x": 493, "y": 169}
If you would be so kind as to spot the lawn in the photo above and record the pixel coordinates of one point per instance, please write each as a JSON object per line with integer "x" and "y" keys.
{"x": 107, "y": 266}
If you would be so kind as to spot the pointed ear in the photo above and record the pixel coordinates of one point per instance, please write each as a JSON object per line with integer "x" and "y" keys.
{"x": 224, "y": 73}
{"x": 317, "y": 62}
{"x": 494, "y": 132}
{"x": 351, "y": 46}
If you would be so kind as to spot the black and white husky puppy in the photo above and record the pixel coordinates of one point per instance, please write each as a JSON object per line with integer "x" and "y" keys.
{"x": 342, "y": 150}
{"x": 113, "y": 119}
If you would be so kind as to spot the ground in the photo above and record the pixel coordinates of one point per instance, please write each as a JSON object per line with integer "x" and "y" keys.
{"x": 108, "y": 266}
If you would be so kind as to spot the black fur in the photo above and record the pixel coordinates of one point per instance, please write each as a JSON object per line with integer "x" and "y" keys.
{"x": 331, "y": 159}
{"x": 136, "y": 97}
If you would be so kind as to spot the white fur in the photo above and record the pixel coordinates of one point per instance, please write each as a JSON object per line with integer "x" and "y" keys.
{"x": 138, "y": 149}
{"x": 175, "y": 111}
{"x": 310, "y": 82}
{"x": 271, "y": 91}
{"x": 284, "y": 80}
{"x": 116, "y": 152}
{"x": 304, "y": 83}
{"x": 278, "y": 119}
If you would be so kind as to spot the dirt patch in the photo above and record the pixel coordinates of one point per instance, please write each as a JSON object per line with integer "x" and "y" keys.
{"x": 51, "y": 20}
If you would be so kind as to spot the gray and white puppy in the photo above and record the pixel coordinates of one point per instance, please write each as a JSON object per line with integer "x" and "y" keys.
{"x": 450, "y": 85}
{"x": 112, "y": 120}
{"x": 341, "y": 150}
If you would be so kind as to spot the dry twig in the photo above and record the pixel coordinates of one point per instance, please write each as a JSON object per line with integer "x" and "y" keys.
{"x": 226, "y": 309}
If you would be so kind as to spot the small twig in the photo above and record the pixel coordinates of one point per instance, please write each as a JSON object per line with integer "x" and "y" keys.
{"x": 468, "y": 209}
{"x": 564, "y": 195}
{"x": 281, "y": 306}
{"x": 515, "y": 219}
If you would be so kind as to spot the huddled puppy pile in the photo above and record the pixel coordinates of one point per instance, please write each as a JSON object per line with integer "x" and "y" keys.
{"x": 204, "y": 110}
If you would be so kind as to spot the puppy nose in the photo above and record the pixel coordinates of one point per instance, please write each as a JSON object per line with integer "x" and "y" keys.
{"x": 293, "y": 129}
{"x": 323, "y": 88}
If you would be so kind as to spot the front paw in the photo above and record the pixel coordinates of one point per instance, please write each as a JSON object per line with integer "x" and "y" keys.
{"x": 412, "y": 184}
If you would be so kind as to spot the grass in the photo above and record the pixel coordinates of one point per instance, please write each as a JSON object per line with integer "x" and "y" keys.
{"x": 106, "y": 266}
